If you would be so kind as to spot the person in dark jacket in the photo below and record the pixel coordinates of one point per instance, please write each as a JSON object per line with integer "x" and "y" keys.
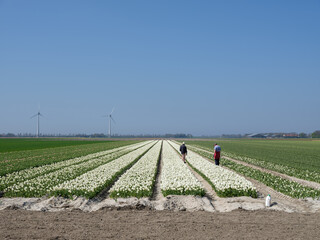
{"x": 216, "y": 155}
{"x": 184, "y": 151}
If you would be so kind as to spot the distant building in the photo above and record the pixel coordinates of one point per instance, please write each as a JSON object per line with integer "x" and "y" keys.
{"x": 256, "y": 135}
{"x": 290, "y": 135}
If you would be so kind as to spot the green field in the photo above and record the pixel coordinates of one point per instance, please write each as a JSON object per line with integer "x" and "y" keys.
{"x": 19, "y": 154}
{"x": 20, "y": 144}
{"x": 299, "y": 154}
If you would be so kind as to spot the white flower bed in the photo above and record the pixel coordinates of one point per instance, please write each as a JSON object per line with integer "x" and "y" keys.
{"x": 92, "y": 182}
{"x": 139, "y": 180}
{"x": 225, "y": 182}
{"x": 43, "y": 184}
{"x": 23, "y": 175}
{"x": 176, "y": 178}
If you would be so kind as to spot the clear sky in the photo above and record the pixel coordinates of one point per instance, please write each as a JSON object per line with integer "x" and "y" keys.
{"x": 199, "y": 67}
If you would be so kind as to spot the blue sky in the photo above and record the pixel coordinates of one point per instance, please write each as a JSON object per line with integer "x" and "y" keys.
{"x": 199, "y": 67}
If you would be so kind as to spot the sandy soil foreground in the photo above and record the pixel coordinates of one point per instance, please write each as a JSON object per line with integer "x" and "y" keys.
{"x": 171, "y": 217}
{"x": 148, "y": 224}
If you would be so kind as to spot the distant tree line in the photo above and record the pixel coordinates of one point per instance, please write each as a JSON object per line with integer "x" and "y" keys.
{"x": 315, "y": 134}
{"x": 101, "y": 135}
{"x": 231, "y": 136}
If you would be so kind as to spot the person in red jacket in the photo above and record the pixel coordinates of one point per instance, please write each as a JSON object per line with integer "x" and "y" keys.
{"x": 216, "y": 155}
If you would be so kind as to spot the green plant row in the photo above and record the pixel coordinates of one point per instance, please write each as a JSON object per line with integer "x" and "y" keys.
{"x": 285, "y": 186}
{"x": 229, "y": 192}
{"x": 30, "y": 173}
{"x": 299, "y": 173}
{"x": 295, "y": 153}
{"x": 43, "y": 184}
{"x": 176, "y": 178}
{"x": 294, "y": 172}
{"x": 23, "y": 144}
{"x": 90, "y": 193}
{"x": 18, "y": 160}
{"x": 141, "y": 188}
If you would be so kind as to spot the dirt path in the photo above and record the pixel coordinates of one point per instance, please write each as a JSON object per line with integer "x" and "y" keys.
{"x": 135, "y": 224}
{"x": 157, "y": 194}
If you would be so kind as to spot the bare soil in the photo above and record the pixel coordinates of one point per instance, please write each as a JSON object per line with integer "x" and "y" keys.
{"x": 134, "y": 224}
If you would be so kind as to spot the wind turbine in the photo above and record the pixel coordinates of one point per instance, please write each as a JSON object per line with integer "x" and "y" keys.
{"x": 110, "y": 118}
{"x": 38, "y": 123}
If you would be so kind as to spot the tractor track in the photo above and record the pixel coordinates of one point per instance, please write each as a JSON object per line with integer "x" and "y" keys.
{"x": 157, "y": 194}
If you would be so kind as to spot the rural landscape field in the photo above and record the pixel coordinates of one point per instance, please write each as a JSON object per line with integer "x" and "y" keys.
{"x": 159, "y": 119}
{"x": 59, "y": 175}
{"x": 53, "y": 167}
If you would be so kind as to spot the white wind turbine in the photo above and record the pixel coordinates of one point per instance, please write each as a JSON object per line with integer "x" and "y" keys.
{"x": 38, "y": 122}
{"x": 110, "y": 118}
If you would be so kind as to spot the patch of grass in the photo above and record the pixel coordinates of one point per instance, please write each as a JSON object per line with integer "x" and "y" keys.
{"x": 22, "y": 144}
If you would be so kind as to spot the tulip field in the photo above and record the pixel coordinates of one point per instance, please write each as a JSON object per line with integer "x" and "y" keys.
{"x": 225, "y": 182}
{"x": 139, "y": 180}
{"x": 280, "y": 184}
{"x": 176, "y": 178}
{"x": 132, "y": 169}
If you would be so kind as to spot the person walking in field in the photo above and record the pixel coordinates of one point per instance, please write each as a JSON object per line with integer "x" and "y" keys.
{"x": 216, "y": 155}
{"x": 184, "y": 151}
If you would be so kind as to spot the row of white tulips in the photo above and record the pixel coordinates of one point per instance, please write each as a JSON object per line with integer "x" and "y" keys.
{"x": 176, "y": 178}
{"x": 139, "y": 180}
{"x": 285, "y": 186}
{"x": 92, "y": 182}
{"x": 23, "y": 175}
{"x": 44, "y": 184}
{"x": 226, "y": 183}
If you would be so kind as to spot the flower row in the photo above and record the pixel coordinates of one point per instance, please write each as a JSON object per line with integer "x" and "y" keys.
{"x": 43, "y": 184}
{"x": 291, "y": 171}
{"x": 19, "y": 160}
{"x": 226, "y": 183}
{"x": 139, "y": 180}
{"x": 176, "y": 178}
{"x": 299, "y": 173}
{"x": 92, "y": 182}
{"x": 26, "y": 174}
{"x": 285, "y": 186}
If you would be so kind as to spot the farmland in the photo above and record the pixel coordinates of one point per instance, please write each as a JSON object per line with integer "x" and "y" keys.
{"x": 259, "y": 157}
{"x": 299, "y": 154}
{"x": 22, "y": 144}
{"x": 19, "y": 154}
{"x": 153, "y": 169}
{"x": 295, "y": 158}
